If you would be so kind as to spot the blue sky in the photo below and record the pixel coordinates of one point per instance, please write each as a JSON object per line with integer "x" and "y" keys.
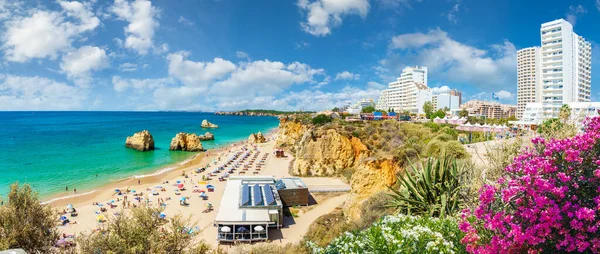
{"x": 238, "y": 54}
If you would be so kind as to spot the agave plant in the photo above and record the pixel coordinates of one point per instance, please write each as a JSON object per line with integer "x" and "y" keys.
{"x": 431, "y": 189}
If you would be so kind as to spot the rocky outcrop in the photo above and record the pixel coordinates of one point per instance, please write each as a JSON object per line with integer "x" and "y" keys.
{"x": 207, "y": 136}
{"x": 369, "y": 177}
{"x": 289, "y": 132}
{"x": 206, "y": 124}
{"x": 141, "y": 141}
{"x": 256, "y": 138}
{"x": 326, "y": 153}
{"x": 186, "y": 142}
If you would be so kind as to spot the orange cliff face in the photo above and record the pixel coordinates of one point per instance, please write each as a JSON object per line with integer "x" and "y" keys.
{"x": 320, "y": 152}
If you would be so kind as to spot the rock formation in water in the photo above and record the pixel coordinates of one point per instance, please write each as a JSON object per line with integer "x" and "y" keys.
{"x": 256, "y": 138}
{"x": 141, "y": 141}
{"x": 207, "y": 136}
{"x": 207, "y": 124}
{"x": 186, "y": 142}
{"x": 326, "y": 152}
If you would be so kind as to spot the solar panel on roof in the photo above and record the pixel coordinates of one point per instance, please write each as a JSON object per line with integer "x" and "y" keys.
{"x": 269, "y": 198}
{"x": 280, "y": 185}
{"x": 256, "y": 192}
{"x": 245, "y": 199}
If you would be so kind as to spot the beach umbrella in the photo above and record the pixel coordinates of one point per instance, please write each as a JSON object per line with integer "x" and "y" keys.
{"x": 202, "y": 191}
{"x": 178, "y": 181}
{"x": 180, "y": 186}
{"x": 63, "y": 217}
{"x": 242, "y": 230}
{"x": 162, "y": 215}
{"x": 259, "y": 228}
{"x": 100, "y": 217}
{"x": 209, "y": 186}
{"x": 117, "y": 190}
{"x": 133, "y": 191}
{"x": 182, "y": 199}
{"x": 225, "y": 229}
{"x": 69, "y": 206}
{"x": 208, "y": 204}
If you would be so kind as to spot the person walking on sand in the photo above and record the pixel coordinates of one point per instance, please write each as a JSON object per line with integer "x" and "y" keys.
{"x": 67, "y": 188}
{"x": 139, "y": 182}
{"x": 75, "y": 190}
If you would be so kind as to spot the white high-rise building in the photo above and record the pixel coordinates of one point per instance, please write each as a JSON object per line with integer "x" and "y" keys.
{"x": 557, "y": 73}
{"x": 566, "y": 67}
{"x": 408, "y": 92}
{"x": 529, "y": 63}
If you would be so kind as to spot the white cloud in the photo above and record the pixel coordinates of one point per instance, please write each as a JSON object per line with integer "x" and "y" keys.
{"x": 441, "y": 89}
{"x": 454, "y": 61}
{"x": 574, "y": 12}
{"x": 346, "y": 75}
{"x": 394, "y": 4}
{"x": 451, "y": 15}
{"x": 197, "y": 74}
{"x": 242, "y": 54}
{"x": 323, "y": 15}
{"x": 219, "y": 82}
{"x": 8, "y": 8}
{"x": 504, "y": 95}
{"x": 185, "y": 21}
{"x": 44, "y": 34}
{"x": 375, "y": 85}
{"x": 128, "y": 67}
{"x": 265, "y": 77}
{"x": 38, "y": 93}
{"x": 303, "y": 44}
{"x": 143, "y": 85}
{"x": 81, "y": 62}
{"x": 141, "y": 16}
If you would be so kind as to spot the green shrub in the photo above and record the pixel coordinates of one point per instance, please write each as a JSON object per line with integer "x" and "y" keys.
{"x": 433, "y": 189}
{"x": 327, "y": 227}
{"x": 374, "y": 208}
{"x": 400, "y": 234}
{"x": 144, "y": 232}
{"x": 25, "y": 223}
{"x": 321, "y": 119}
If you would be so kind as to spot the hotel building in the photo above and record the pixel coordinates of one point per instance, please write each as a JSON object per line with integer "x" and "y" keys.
{"x": 408, "y": 92}
{"x": 557, "y": 73}
{"x": 528, "y": 77}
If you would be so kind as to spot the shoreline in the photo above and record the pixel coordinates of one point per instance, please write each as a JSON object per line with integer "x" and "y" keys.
{"x": 153, "y": 177}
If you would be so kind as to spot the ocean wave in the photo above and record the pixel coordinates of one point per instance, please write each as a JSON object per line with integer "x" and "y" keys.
{"x": 67, "y": 197}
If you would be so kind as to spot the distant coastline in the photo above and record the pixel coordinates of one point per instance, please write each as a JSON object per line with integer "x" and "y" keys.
{"x": 262, "y": 112}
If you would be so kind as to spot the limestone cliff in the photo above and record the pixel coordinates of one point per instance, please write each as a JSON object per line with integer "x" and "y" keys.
{"x": 141, "y": 141}
{"x": 186, "y": 142}
{"x": 369, "y": 178}
{"x": 319, "y": 151}
{"x": 256, "y": 138}
{"x": 290, "y": 131}
{"x": 326, "y": 153}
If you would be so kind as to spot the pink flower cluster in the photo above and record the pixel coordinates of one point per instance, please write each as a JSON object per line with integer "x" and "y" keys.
{"x": 549, "y": 200}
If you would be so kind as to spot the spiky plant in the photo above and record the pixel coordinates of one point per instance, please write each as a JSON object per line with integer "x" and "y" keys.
{"x": 431, "y": 189}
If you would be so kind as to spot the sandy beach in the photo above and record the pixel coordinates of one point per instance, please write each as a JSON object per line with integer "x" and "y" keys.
{"x": 88, "y": 211}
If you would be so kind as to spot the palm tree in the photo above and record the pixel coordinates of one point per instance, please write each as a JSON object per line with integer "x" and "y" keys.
{"x": 565, "y": 113}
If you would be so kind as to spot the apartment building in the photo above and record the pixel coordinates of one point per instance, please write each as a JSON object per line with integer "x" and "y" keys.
{"x": 557, "y": 73}
{"x": 489, "y": 109}
{"x": 408, "y": 92}
{"x": 528, "y": 77}
{"x": 450, "y": 99}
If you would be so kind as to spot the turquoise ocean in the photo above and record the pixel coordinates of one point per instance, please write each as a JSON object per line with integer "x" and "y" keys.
{"x": 51, "y": 150}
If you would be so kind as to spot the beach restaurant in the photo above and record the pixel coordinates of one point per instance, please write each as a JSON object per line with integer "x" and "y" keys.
{"x": 249, "y": 207}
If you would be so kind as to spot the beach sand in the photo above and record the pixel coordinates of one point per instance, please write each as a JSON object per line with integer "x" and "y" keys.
{"x": 278, "y": 167}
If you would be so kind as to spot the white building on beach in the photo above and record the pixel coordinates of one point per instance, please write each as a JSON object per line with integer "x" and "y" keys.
{"x": 249, "y": 207}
